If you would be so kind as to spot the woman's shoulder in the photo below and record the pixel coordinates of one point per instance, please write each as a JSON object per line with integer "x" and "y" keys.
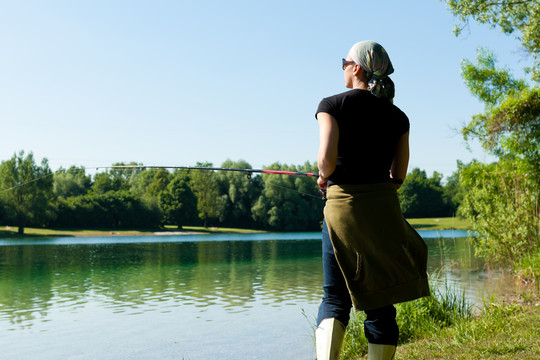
{"x": 399, "y": 112}
{"x": 342, "y": 99}
{"x": 349, "y": 94}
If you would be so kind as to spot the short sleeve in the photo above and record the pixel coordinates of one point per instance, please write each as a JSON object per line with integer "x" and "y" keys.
{"x": 404, "y": 124}
{"x": 327, "y": 106}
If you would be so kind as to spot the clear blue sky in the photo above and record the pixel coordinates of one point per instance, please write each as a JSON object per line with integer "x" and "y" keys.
{"x": 175, "y": 82}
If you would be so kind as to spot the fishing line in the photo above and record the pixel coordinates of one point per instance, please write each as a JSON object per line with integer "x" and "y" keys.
{"x": 248, "y": 173}
{"x": 26, "y": 183}
{"x": 321, "y": 197}
{"x": 37, "y": 179}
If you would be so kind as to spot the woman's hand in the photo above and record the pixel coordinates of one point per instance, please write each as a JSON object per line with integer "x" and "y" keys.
{"x": 322, "y": 182}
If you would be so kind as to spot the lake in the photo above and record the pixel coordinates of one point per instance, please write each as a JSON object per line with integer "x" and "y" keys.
{"x": 227, "y": 296}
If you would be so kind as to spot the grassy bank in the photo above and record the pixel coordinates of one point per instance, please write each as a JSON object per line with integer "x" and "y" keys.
{"x": 447, "y": 223}
{"x": 6, "y": 231}
{"x": 444, "y": 327}
{"x": 502, "y": 331}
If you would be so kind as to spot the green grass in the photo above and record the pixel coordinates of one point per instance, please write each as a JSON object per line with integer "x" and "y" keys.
{"x": 443, "y": 327}
{"x": 218, "y": 230}
{"x": 502, "y": 331}
{"x": 416, "y": 319}
{"x": 6, "y": 232}
{"x": 445, "y": 223}
{"x": 419, "y": 224}
{"x": 527, "y": 269}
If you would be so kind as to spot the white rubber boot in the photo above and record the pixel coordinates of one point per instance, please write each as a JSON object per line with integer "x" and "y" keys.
{"x": 329, "y": 338}
{"x": 380, "y": 352}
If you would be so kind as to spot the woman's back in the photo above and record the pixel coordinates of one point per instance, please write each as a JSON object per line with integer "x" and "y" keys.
{"x": 369, "y": 130}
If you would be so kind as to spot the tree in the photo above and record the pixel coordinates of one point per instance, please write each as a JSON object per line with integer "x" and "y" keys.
{"x": 519, "y": 17}
{"x": 160, "y": 182}
{"x": 502, "y": 208}
{"x": 453, "y": 192}
{"x": 71, "y": 182}
{"x": 502, "y": 198}
{"x": 240, "y": 192}
{"x": 115, "y": 179}
{"x": 421, "y": 196}
{"x": 25, "y": 189}
{"x": 510, "y": 125}
{"x": 289, "y": 203}
{"x": 178, "y": 202}
{"x": 204, "y": 185}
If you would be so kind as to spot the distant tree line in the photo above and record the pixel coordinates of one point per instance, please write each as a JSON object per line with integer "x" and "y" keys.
{"x": 31, "y": 195}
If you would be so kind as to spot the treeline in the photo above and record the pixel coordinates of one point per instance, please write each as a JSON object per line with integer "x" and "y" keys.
{"x": 31, "y": 195}
{"x": 152, "y": 198}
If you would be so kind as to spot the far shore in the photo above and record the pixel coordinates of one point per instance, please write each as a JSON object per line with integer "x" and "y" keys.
{"x": 7, "y": 231}
{"x": 12, "y": 231}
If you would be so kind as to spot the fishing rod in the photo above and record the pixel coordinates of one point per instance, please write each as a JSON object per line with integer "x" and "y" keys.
{"x": 248, "y": 172}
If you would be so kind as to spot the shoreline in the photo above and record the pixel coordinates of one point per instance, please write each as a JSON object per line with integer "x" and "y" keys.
{"x": 12, "y": 231}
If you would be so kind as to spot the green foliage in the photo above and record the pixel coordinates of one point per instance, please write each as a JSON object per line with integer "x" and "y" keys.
{"x": 139, "y": 198}
{"x": 115, "y": 179}
{"x": 113, "y": 209}
{"x": 422, "y": 317}
{"x": 488, "y": 83}
{"x": 24, "y": 198}
{"x": 71, "y": 182}
{"x": 510, "y": 126}
{"x": 520, "y": 17}
{"x": 528, "y": 270}
{"x": 501, "y": 331}
{"x": 502, "y": 202}
{"x": 288, "y": 203}
{"x": 178, "y": 202}
{"x": 160, "y": 182}
{"x": 453, "y": 192}
{"x": 204, "y": 184}
{"x": 421, "y": 196}
{"x": 503, "y": 198}
{"x": 240, "y": 193}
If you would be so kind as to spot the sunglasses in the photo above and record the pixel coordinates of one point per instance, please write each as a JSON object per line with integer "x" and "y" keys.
{"x": 345, "y": 63}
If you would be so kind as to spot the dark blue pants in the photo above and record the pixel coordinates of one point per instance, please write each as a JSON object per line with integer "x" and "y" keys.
{"x": 380, "y": 326}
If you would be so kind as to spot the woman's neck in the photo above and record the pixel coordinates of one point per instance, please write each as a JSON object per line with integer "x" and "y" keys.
{"x": 361, "y": 86}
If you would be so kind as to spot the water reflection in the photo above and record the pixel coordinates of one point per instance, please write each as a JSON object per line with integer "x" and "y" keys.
{"x": 453, "y": 266}
{"x": 174, "y": 297}
{"x": 128, "y": 277}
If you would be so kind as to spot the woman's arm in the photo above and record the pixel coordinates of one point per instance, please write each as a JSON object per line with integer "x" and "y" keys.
{"x": 398, "y": 170}
{"x": 328, "y": 148}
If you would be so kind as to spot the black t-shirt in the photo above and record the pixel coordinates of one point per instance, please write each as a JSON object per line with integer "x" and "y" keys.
{"x": 369, "y": 130}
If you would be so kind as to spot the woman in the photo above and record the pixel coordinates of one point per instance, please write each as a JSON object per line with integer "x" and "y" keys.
{"x": 372, "y": 258}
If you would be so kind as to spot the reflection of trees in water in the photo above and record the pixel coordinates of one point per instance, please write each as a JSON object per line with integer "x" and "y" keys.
{"x": 24, "y": 293}
{"x": 450, "y": 255}
{"x": 149, "y": 276}
{"x": 454, "y": 266}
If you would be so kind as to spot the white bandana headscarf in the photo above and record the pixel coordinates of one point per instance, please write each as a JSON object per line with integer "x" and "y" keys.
{"x": 372, "y": 57}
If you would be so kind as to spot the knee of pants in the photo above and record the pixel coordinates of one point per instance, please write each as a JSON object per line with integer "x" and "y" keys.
{"x": 380, "y": 326}
{"x": 337, "y": 311}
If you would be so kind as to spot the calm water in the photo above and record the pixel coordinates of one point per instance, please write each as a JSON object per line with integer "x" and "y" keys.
{"x": 252, "y": 296}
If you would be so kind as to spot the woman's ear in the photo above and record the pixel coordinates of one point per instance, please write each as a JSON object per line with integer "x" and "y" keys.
{"x": 357, "y": 70}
